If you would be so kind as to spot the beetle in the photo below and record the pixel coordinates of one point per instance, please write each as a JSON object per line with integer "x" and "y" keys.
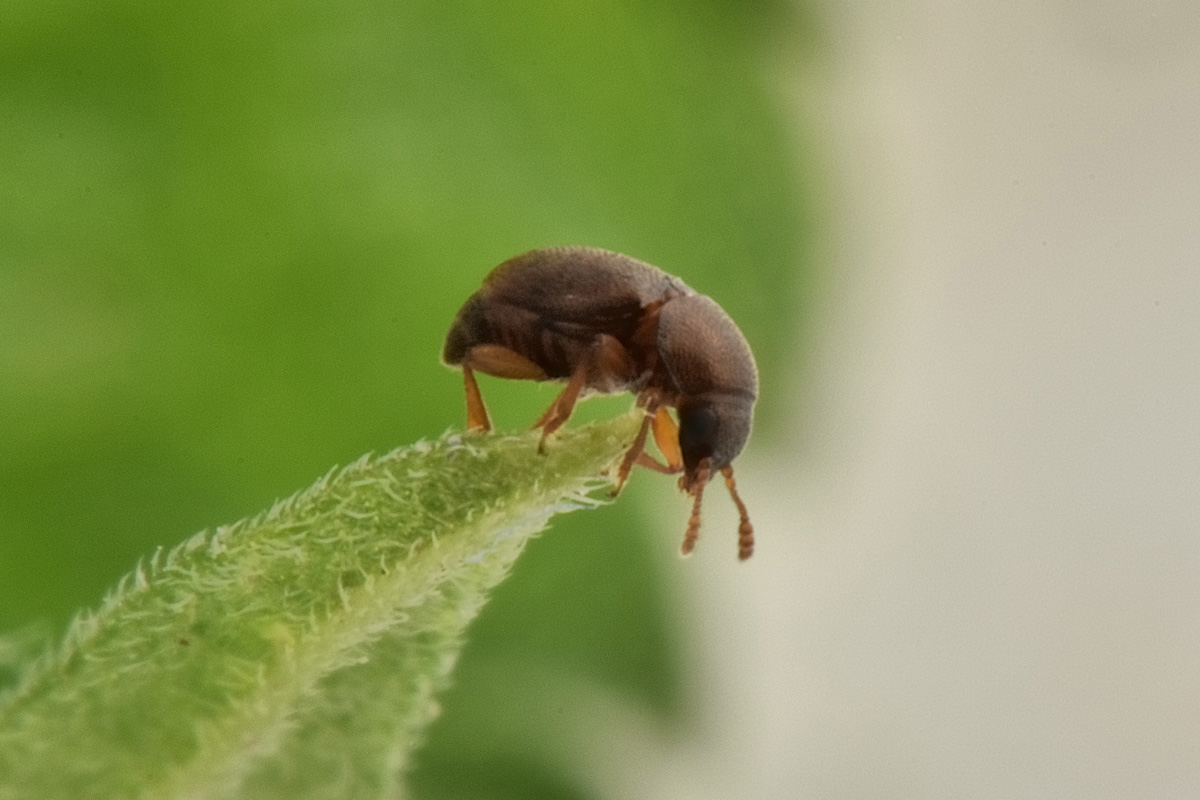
{"x": 604, "y": 322}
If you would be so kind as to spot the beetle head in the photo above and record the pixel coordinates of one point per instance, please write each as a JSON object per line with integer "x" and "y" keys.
{"x": 714, "y": 427}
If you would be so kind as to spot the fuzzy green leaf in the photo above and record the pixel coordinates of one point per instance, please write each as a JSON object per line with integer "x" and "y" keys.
{"x": 295, "y": 654}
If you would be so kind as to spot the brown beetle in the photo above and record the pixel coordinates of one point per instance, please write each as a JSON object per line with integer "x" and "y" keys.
{"x": 604, "y": 322}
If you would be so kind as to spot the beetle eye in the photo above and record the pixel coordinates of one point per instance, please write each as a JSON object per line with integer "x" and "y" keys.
{"x": 697, "y": 433}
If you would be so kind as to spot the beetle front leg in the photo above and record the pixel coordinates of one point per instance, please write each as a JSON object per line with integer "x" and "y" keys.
{"x": 648, "y": 461}
{"x": 632, "y": 454}
{"x": 666, "y": 436}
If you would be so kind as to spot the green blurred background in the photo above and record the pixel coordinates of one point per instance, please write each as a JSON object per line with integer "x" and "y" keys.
{"x": 232, "y": 236}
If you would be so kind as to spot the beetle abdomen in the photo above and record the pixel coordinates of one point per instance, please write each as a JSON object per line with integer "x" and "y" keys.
{"x": 469, "y": 329}
{"x": 482, "y": 322}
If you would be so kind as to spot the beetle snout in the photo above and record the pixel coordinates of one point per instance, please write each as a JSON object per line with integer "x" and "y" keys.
{"x": 698, "y": 430}
{"x": 692, "y": 478}
{"x": 715, "y": 427}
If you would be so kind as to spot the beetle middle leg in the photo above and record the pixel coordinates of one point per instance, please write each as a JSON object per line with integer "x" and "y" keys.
{"x": 604, "y": 365}
{"x": 561, "y": 409}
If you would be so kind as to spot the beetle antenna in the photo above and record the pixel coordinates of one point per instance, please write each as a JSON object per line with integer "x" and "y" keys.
{"x": 693, "y": 528}
{"x": 745, "y": 529}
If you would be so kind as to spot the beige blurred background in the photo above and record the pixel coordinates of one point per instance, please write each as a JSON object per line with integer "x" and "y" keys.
{"x": 978, "y": 571}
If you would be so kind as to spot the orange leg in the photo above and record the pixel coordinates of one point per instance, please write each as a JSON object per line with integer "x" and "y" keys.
{"x": 745, "y": 529}
{"x": 648, "y": 461}
{"x": 693, "y": 528}
{"x": 606, "y": 360}
{"x": 560, "y": 410}
{"x": 635, "y": 451}
{"x": 492, "y": 359}
{"x": 477, "y": 415}
{"x": 666, "y": 436}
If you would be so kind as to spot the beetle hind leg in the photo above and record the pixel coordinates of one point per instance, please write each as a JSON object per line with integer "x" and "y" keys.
{"x": 605, "y": 363}
{"x": 494, "y": 360}
{"x": 477, "y": 415}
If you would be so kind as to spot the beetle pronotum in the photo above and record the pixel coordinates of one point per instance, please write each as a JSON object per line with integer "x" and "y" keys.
{"x": 604, "y": 322}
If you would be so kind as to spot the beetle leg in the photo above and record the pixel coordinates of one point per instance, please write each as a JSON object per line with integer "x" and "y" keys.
{"x": 606, "y": 361}
{"x": 745, "y": 529}
{"x": 648, "y": 461}
{"x": 492, "y": 359}
{"x": 631, "y": 455}
{"x": 693, "y": 528}
{"x": 666, "y": 436}
{"x": 477, "y": 415}
{"x": 560, "y": 410}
